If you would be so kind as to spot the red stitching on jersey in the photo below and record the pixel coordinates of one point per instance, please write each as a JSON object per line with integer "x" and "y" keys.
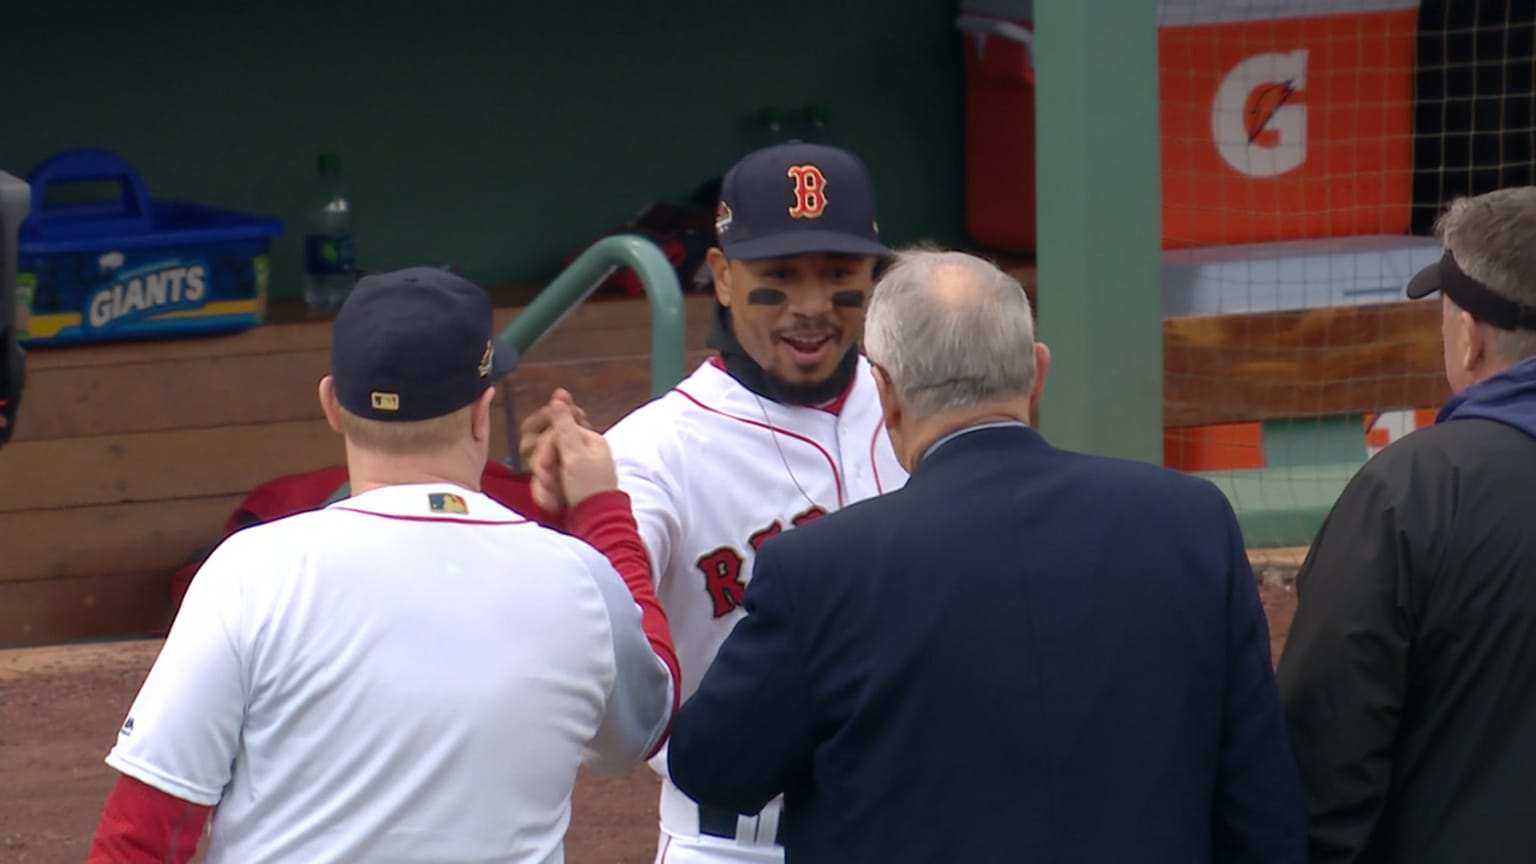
{"x": 453, "y": 519}
{"x": 874, "y": 464}
{"x": 837, "y": 478}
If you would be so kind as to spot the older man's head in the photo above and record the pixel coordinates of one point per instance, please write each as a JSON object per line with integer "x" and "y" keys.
{"x": 1487, "y": 283}
{"x": 952, "y": 340}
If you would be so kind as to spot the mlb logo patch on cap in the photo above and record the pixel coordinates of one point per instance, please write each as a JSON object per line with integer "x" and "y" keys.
{"x": 415, "y": 344}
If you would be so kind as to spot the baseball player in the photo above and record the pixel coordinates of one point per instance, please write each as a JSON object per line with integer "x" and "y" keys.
{"x": 781, "y": 426}
{"x": 415, "y": 673}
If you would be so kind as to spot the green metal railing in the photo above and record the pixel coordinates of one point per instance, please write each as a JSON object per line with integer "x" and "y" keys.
{"x": 669, "y": 323}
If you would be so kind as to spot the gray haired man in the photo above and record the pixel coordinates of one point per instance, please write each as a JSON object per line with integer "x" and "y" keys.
{"x": 1409, "y": 676}
{"x": 1024, "y": 653}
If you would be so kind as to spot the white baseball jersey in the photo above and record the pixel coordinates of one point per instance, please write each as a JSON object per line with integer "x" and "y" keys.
{"x": 383, "y": 680}
{"x": 713, "y": 470}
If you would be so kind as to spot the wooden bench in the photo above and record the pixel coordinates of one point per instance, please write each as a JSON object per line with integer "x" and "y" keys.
{"x": 128, "y": 458}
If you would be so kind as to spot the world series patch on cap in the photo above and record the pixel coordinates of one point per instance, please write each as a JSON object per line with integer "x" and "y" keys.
{"x": 798, "y": 199}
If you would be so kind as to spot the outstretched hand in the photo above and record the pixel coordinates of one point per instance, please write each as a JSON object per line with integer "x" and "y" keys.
{"x": 570, "y": 462}
{"x": 537, "y": 423}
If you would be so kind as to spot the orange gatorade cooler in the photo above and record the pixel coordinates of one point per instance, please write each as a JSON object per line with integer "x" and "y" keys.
{"x": 999, "y": 123}
{"x": 1280, "y": 120}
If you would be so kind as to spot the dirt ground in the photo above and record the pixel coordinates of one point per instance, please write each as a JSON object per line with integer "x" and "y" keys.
{"x": 60, "y": 709}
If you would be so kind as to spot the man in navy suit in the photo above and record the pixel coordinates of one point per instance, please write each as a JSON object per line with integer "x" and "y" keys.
{"x": 1025, "y": 654}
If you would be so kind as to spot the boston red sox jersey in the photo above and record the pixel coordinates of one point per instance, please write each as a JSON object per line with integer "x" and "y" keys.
{"x": 713, "y": 470}
{"x": 382, "y": 681}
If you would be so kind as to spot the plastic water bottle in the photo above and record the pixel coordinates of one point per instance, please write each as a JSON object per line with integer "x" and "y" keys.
{"x": 330, "y": 266}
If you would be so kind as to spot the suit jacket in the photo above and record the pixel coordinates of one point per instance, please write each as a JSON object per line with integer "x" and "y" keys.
{"x": 1025, "y": 654}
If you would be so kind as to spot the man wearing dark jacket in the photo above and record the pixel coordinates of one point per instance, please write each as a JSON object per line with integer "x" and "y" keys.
{"x": 1025, "y": 654}
{"x": 1409, "y": 675}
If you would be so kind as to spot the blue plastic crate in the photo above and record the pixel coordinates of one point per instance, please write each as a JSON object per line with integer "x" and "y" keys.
{"x": 133, "y": 267}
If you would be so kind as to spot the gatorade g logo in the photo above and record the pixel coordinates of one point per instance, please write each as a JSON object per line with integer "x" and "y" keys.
{"x": 1256, "y": 125}
{"x": 810, "y": 192}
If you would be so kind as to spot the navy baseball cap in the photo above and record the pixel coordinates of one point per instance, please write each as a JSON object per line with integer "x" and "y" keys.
{"x": 415, "y": 344}
{"x": 797, "y": 199}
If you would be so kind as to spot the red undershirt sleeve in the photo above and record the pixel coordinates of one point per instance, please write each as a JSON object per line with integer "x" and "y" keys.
{"x": 143, "y": 825}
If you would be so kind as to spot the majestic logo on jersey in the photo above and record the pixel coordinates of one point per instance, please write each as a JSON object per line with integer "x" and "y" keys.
{"x": 722, "y": 568}
{"x": 810, "y": 192}
{"x": 446, "y": 502}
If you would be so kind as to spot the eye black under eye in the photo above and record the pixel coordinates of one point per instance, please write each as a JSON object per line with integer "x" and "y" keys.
{"x": 766, "y": 297}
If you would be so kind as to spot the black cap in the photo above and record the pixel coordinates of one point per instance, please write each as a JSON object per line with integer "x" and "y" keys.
{"x": 1470, "y": 295}
{"x": 1426, "y": 281}
{"x": 797, "y": 199}
{"x": 415, "y": 344}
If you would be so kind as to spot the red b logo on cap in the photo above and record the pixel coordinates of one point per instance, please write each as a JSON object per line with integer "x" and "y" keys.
{"x": 810, "y": 192}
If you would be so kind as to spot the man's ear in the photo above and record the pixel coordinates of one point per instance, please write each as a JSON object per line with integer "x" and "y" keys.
{"x": 1475, "y": 341}
{"x": 720, "y": 270}
{"x": 480, "y": 416}
{"x": 890, "y": 402}
{"x": 327, "y": 393}
{"x": 894, "y": 414}
{"x": 1042, "y": 371}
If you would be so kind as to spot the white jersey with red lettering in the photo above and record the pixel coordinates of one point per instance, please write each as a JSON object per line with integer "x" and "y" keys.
{"x": 713, "y": 471}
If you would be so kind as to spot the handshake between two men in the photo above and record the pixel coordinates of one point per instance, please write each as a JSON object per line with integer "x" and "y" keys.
{"x": 569, "y": 460}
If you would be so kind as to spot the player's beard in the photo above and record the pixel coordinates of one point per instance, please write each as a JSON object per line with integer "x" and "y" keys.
{"x": 741, "y": 366}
